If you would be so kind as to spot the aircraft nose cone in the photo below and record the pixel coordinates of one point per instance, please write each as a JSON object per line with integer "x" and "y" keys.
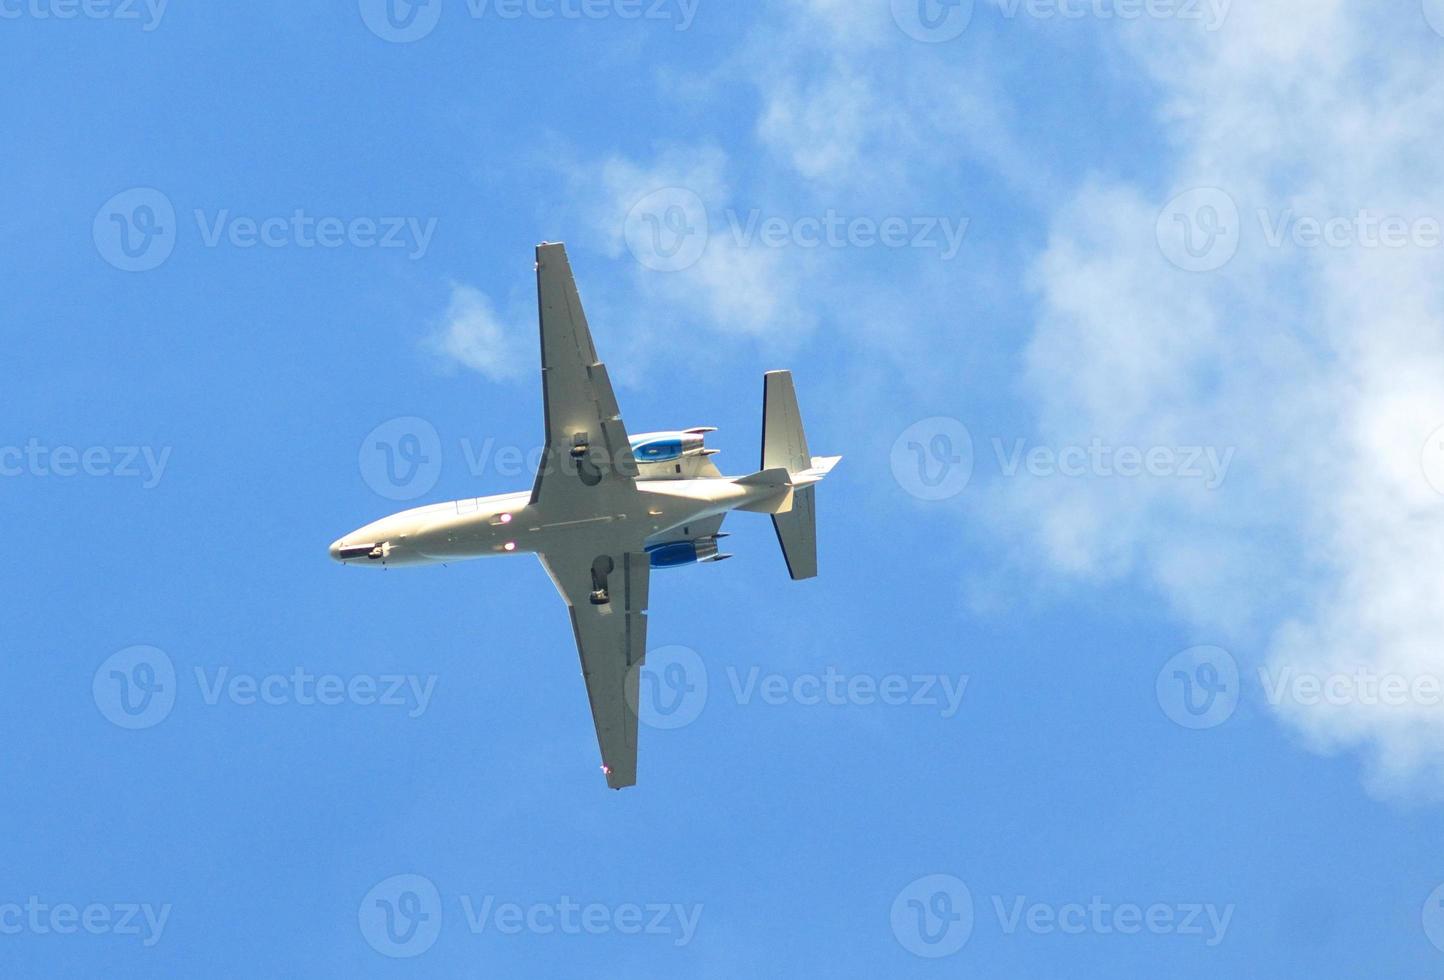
{"x": 335, "y": 550}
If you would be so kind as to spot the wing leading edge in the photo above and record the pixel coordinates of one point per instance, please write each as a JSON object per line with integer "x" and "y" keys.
{"x": 611, "y": 633}
{"x": 586, "y": 441}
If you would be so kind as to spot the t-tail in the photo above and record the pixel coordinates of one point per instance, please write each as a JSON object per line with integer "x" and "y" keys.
{"x": 787, "y": 462}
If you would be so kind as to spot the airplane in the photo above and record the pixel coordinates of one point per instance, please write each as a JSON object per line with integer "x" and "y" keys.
{"x": 606, "y": 508}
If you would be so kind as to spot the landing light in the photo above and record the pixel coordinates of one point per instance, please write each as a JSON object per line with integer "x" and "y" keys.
{"x": 506, "y": 518}
{"x": 509, "y": 546}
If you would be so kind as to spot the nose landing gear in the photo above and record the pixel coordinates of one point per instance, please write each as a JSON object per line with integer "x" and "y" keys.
{"x": 371, "y": 552}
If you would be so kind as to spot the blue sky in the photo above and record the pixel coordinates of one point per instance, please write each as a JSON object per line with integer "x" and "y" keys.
{"x": 1124, "y": 659}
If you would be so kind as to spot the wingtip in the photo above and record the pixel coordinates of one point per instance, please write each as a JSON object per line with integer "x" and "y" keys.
{"x": 615, "y": 781}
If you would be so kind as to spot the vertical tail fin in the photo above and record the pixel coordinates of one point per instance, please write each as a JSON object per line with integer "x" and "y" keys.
{"x": 783, "y": 442}
{"x": 784, "y": 445}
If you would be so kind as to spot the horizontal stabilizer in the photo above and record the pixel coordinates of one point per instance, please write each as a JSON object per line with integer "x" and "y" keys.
{"x": 776, "y": 477}
{"x": 821, "y": 466}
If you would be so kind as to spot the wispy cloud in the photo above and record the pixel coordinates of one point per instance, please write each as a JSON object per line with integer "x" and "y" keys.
{"x": 471, "y": 335}
{"x": 1317, "y": 365}
{"x": 1320, "y": 362}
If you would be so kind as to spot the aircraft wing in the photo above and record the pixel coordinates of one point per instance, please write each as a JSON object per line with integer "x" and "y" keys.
{"x": 581, "y": 409}
{"x": 612, "y": 640}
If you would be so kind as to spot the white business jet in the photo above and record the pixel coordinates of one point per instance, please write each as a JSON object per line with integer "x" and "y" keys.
{"x": 606, "y": 508}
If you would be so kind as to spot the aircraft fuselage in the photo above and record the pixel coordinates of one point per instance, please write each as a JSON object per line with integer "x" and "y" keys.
{"x": 509, "y": 523}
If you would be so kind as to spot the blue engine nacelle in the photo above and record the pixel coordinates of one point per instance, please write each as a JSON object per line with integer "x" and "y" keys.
{"x": 675, "y": 553}
{"x": 663, "y": 447}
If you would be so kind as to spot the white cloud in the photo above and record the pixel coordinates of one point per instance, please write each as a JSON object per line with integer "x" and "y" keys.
{"x": 471, "y": 335}
{"x": 821, "y": 125}
{"x": 733, "y": 288}
{"x": 1323, "y": 365}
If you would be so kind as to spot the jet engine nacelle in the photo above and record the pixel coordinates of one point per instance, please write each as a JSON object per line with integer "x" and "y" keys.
{"x": 663, "y": 447}
{"x": 675, "y": 553}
